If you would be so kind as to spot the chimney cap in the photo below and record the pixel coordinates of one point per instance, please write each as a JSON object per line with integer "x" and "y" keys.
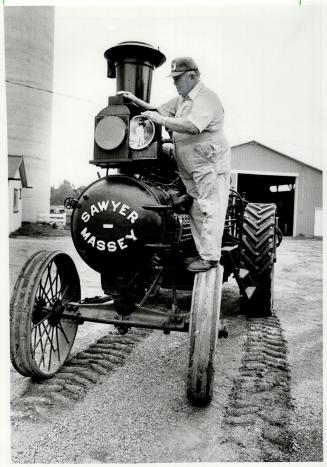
{"x": 133, "y": 50}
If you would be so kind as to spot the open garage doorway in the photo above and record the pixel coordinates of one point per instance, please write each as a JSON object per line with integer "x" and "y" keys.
{"x": 278, "y": 189}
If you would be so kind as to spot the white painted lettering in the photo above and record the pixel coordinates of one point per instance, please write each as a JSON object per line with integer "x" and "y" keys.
{"x": 92, "y": 240}
{"x": 85, "y": 233}
{"x": 121, "y": 243}
{"x": 85, "y": 216}
{"x": 131, "y": 236}
{"x": 94, "y": 210}
{"x": 101, "y": 245}
{"x": 123, "y": 209}
{"x": 133, "y": 216}
{"x": 111, "y": 246}
{"x": 103, "y": 205}
{"x": 115, "y": 205}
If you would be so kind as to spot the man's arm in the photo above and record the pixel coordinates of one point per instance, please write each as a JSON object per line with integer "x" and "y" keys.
{"x": 136, "y": 100}
{"x": 180, "y": 125}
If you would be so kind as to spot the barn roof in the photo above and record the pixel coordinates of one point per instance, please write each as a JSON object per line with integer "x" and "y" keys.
{"x": 253, "y": 142}
{"x": 16, "y": 163}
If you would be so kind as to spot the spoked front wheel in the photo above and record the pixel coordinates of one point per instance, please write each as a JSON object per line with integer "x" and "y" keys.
{"x": 203, "y": 333}
{"x": 40, "y": 337}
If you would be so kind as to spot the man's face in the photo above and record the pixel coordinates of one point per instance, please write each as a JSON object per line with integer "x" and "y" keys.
{"x": 184, "y": 83}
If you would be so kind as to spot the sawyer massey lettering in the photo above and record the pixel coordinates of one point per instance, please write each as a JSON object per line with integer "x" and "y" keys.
{"x": 108, "y": 206}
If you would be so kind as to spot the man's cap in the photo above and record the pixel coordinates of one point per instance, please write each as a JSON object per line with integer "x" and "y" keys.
{"x": 182, "y": 64}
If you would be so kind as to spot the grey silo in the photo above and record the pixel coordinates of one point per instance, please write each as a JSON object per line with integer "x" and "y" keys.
{"x": 29, "y": 51}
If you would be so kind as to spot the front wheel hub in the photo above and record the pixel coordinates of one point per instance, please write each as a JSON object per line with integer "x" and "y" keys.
{"x": 56, "y": 313}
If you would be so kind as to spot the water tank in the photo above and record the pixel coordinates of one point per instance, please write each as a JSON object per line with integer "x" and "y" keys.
{"x": 29, "y": 47}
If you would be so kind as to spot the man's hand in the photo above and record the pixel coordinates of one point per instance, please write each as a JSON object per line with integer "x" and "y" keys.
{"x": 154, "y": 116}
{"x": 129, "y": 95}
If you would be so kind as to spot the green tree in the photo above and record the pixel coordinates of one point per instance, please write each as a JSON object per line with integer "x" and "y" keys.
{"x": 63, "y": 191}
{"x": 58, "y": 195}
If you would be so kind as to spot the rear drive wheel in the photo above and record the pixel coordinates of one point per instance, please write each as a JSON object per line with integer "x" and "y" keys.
{"x": 258, "y": 255}
{"x": 40, "y": 338}
{"x": 203, "y": 331}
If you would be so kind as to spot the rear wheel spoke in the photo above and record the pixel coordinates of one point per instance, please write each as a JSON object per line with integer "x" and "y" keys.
{"x": 57, "y": 338}
{"x": 62, "y": 293}
{"x": 57, "y": 277}
{"x": 63, "y": 332}
{"x": 39, "y": 322}
{"x": 52, "y": 282}
{"x": 49, "y": 282}
{"x": 47, "y": 276}
{"x": 47, "y": 339}
{"x": 42, "y": 353}
{"x": 49, "y": 364}
{"x": 64, "y": 303}
{"x": 43, "y": 293}
{"x": 39, "y": 341}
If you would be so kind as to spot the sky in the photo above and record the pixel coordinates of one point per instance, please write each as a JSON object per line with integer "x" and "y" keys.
{"x": 263, "y": 60}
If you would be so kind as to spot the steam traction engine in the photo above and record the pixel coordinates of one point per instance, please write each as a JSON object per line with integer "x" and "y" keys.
{"x": 132, "y": 227}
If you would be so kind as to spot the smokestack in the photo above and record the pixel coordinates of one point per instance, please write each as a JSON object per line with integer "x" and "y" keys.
{"x": 132, "y": 63}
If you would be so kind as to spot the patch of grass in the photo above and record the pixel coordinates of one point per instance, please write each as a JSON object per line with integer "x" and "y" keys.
{"x": 30, "y": 229}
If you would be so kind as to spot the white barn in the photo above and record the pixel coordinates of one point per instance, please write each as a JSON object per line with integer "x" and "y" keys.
{"x": 17, "y": 181}
{"x": 269, "y": 176}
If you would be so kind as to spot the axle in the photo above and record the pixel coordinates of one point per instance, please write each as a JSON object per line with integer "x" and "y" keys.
{"x": 143, "y": 317}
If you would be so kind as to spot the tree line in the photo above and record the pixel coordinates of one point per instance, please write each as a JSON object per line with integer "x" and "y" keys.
{"x": 63, "y": 191}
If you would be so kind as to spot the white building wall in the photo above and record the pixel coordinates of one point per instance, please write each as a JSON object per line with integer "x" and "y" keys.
{"x": 14, "y": 218}
{"x": 318, "y": 230}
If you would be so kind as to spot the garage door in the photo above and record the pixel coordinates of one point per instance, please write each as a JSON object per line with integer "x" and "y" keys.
{"x": 271, "y": 189}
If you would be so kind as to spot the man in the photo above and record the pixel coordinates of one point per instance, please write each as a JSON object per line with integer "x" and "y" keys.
{"x": 202, "y": 155}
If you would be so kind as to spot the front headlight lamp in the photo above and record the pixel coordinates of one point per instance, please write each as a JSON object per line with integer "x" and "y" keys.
{"x": 141, "y": 132}
{"x": 110, "y": 132}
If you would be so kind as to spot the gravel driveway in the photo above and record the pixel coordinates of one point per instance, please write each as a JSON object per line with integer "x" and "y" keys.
{"x": 134, "y": 410}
